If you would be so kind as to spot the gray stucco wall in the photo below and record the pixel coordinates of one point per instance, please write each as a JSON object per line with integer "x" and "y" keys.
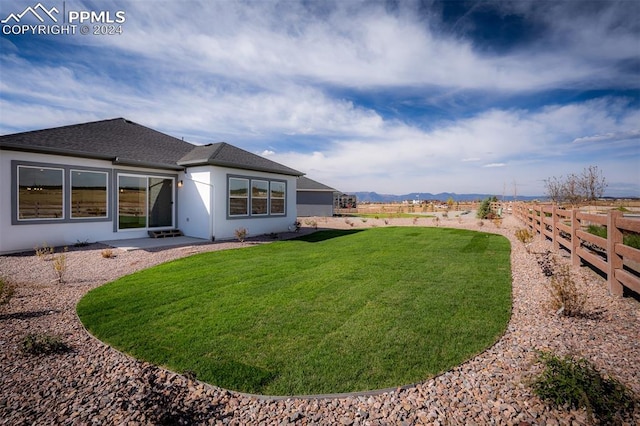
{"x": 314, "y": 203}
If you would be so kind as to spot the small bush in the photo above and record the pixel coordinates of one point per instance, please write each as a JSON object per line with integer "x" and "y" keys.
{"x": 45, "y": 252}
{"x": 6, "y": 292}
{"x": 311, "y": 223}
{"x": 524, "y": 235}
{"x": 241, "y": 234}
{"x": 108, "y": 254}
{"x": 79, "y": 243}
{"x": 480, "y": 224}
{"x": 566, "y": 298}
{"x": 60, "y": 265}
{"x": 576, "y": 383}
{"x": 415, "y": 220}
{"x": 42, "y": 344}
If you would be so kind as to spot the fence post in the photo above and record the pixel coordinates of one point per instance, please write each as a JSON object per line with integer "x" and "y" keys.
{"x": 575, "y": 225}
{"x": 614, "y": 261}
{"x": 554, "y": 229}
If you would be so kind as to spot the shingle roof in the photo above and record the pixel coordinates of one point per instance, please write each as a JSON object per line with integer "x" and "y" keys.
{"x": 125, "y": 142}
{"x": 118, "y": 140}
{"x": 223, "y": 154}
{"x": 306, "y": 184}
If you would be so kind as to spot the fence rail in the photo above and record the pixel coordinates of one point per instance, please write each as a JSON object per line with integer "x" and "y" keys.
{"x": 567, "y": 229}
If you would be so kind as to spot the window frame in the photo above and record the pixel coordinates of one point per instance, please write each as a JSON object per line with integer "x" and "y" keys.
{"x": 247, "y": 197}
{"x": 62, "y": 195}
{"x": 265, "y": 198}
{"x": 66, "y": 192}
{"x": 146, "y": 177}
{"x": 283, "y": 198}
{"x": 250, "y": 197}
{"x": 106, "y": 186}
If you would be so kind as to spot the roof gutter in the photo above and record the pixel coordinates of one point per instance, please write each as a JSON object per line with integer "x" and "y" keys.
{"x": 135, "y": 163}
{"x": 193, "y": 163}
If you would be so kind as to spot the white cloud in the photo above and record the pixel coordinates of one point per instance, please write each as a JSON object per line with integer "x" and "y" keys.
{"x": 609, "y": 137}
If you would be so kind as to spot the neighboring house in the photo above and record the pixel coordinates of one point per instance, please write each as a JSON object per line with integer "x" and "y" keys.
{"x": 345, "y": 201}
{"x": 314, "y": 198}
{"x": 115, "y": 179}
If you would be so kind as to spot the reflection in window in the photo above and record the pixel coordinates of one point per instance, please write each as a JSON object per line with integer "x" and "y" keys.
{"x": 40, "y": 193}
{"x": 238, "y": 197}
{"x": 88, "y": 194}
{"x": 259, "y": 197}
{"x": 277, "y": 197}
{"x": 132, "y": 202}
{"x": 160, "y": 202}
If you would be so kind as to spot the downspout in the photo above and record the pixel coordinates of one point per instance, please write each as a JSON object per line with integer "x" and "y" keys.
{"x": 213, "y": 212}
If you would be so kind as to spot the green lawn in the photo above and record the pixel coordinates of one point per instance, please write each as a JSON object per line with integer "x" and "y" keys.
{"x": 335, "y": 311}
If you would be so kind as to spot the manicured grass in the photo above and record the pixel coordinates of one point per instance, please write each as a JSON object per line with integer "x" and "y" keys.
{"x": 335, "y": 311}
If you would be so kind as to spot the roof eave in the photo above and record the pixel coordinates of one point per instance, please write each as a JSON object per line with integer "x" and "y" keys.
{"x": 90, "y": 155}
{"x": 193, "y": 163}
{"x": 55, "y": 151}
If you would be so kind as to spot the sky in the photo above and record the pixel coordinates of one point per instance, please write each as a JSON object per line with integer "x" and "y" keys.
{"x": 388, "y": 96}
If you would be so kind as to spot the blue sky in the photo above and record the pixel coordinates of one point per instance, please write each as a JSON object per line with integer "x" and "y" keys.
{"x": 392, "y": 97}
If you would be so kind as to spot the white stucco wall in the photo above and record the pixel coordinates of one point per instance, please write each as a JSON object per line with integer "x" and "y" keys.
{"x": 26, "y": 236}
{"x": 225, "y": 227}
{"x": 194, "y": 203}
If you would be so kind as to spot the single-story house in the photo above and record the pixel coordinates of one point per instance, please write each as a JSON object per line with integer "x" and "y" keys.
{"x": 115, "y": 179}
{"x": 314, "y": 198}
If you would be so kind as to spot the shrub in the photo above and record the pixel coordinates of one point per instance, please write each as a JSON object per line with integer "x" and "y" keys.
{"x": 415, "y": 220}
{"x": 45, "y": 344}
{"x": 566, "y": 298}
{"x": 484, "y": 209}
{"x": 108, "y": 254}
{"x": 311, "y": 223}
{"x": 241, "y": 234}
{"x": 577, "y": 383}
{"x": 60, "y": 265}
{"x": 480, "y": 224}
{"x": 6, "y": 292}
{"x": 45, "y": 252}
{"x": 524, "y": 235}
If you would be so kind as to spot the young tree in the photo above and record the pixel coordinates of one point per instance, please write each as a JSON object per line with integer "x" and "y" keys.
{"x": 572, "y": 189}
{"x": 588, "y": 186}
{"x": 555, "y": 189}
{"x": 592, "y": 183}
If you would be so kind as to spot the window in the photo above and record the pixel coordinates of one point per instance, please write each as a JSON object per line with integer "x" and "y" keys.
{"x": 259, "y": 197}
{"x": 132, "y": 202}
{"x": 88, "y": 194}
{"x": 256, "y": 197}
{"x": 40, "y": 193}
{"x": 238, "y": 197}
{"x": 277, "y": 197}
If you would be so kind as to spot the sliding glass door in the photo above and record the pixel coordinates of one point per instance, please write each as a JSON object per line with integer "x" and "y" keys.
{"x": 145, "y": 202}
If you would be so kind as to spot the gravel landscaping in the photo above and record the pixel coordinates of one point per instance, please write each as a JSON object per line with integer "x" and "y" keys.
{"x": 92, "y": 383}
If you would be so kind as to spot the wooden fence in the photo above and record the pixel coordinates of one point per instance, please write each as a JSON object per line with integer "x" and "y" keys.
{"x": 567, "y": 229}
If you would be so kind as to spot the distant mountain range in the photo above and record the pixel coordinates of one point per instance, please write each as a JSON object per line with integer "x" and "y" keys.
{"x": 374, "y": 197}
